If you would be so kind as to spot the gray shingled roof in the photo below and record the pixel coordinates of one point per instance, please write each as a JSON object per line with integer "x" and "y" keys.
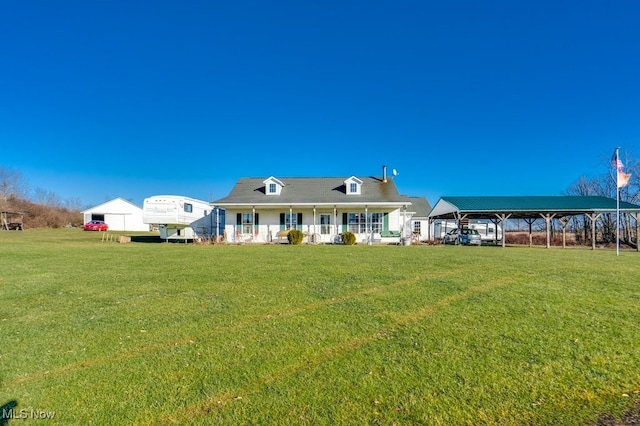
{"x": 527, "y": 206}
{"x": 313, "y": 190}
{"x": 420, "y": 206}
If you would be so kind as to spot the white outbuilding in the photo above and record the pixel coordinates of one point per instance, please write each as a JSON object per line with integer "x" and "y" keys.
{"x": 119, "y": 214}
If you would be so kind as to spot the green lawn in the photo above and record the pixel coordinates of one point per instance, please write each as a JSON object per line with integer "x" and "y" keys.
{"x": 156, "y": 333}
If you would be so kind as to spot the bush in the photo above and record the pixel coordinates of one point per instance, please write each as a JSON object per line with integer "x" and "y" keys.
{"x": 348, "y": 238}
{"x": 295, "y": 236}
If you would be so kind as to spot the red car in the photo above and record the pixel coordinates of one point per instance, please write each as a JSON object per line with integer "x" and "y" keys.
{"x": 95, "y": 225}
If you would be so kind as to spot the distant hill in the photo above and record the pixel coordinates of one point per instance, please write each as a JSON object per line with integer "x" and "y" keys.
{"x": 41, "y": 215}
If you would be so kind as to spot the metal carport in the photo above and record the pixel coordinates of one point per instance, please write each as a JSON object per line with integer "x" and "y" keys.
{"x": 499, "y": 209}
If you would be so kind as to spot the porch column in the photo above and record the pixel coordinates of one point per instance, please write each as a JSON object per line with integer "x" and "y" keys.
{"x": 253, "y": 231}
{"x": 404, "y": 221}
{"x": 314, "y": 219}
{"x": 366, "y": 222}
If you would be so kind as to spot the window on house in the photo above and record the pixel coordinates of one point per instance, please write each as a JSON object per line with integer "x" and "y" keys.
{"x": 188, "y": 207}
{"x": 353, "y": 188}
{"x": 272, "y": 188}
{"x": 291, "y": 221}
{"x": 247, "y": 223}
{"x": 361, "y": 223}
{"x": 325, "y": 224}
{"x": 416, "y": 227}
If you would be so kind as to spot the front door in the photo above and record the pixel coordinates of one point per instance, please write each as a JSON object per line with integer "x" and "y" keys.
{"x": 325, "y": 224}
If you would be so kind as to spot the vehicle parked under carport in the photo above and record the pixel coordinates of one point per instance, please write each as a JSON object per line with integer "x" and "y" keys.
{"x": 465, "y": 236}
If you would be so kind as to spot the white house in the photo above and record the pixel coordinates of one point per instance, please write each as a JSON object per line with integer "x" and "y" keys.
{"x": 420, "y": 209}
{"x": 257, "y": 209}
{"x": 119, "y": 214}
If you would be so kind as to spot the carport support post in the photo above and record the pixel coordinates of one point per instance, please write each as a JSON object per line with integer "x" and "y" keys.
{"x": 459, "y": 218}
{"x": 547, "y": 219}
{"x": 564, "y": 222}
{"x": 637, "y": 232}
{"x": 496, "y": 223}
{"x": 530, "y": 223}
{"x": 503, "y": 221}
{"x": 635, "y": 217}
{"x": 593, "y": 218}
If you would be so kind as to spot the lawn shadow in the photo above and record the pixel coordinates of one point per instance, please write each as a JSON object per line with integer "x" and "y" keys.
{"x": 6, "y": 412}
{"x": 145, "y": 239}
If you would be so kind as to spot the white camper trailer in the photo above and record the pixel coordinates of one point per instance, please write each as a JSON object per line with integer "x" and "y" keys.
{"x": 183, "y": 218}
{"x": 487, "y": 230}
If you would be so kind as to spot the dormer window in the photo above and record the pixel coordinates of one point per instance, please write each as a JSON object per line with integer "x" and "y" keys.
{"x": 353, "y": 186}
{"x": 272, "y": 186}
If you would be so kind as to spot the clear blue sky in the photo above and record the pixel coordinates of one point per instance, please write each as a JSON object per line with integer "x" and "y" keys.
{"x": 105, "y": 99}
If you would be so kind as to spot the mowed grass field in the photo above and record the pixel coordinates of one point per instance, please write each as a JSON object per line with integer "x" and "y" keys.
{"x": 155, "y": 333}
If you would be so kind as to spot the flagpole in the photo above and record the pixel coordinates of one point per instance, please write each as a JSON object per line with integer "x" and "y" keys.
{"x": 617, "y": 204}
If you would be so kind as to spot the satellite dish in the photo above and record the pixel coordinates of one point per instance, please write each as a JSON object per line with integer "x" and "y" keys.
{"x": 395, "y": 172}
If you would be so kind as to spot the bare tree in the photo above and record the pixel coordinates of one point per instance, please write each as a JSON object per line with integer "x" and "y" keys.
{"x": 73, "y": 203}
{"x": 12, "y": 183}
{"x": 48, "y": 198}
{"x": 606, "y": 186}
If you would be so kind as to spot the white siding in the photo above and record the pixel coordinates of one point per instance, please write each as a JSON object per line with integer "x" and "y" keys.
{"x": 269, "y": 223}
{"x": 119, "y": 214}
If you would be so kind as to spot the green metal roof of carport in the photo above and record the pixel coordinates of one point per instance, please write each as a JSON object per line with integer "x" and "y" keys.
{"x": 525, "y": 206}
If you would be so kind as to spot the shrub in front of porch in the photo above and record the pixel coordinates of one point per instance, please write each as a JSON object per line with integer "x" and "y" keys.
{"x": 348, "y": 238}
{"x": 295, "y": 236}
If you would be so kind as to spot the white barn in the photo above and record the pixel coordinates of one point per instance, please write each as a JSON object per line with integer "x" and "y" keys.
{"x": 119, "y": 214}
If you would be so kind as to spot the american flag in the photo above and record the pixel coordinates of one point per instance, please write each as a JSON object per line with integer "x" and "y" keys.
{"x": 622, "y": 178}
{"x": 615, "y": 161}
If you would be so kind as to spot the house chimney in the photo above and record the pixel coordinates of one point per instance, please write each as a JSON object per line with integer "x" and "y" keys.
{"x": 384, "y": 174}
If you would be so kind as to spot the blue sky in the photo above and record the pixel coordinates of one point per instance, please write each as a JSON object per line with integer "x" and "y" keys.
{"x": 105, "y": 99}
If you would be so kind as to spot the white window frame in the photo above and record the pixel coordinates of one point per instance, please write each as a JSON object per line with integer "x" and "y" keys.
{"x": 364, "y": 223}
{"x": 247, "y": 223}
{"x": 353, "y": 186}
{"x": 288, "y": 223}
